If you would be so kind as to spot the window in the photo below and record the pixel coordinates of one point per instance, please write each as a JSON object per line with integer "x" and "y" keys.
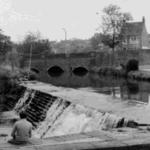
{"x": 124, "y": 40}
{"x": 133, "y": 38}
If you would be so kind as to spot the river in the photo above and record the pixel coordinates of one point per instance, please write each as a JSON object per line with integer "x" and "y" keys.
{"x": 123, "y": 89}
{"x": 133, "y": 95}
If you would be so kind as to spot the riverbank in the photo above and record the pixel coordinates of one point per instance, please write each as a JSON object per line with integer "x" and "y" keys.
{"x": 141, "y": 75}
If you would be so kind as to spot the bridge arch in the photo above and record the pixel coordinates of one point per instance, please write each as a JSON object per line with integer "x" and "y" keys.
{"x": 35, "y": 70}
{"x": 80, "y": 70}
{"x": 55, "y": 71}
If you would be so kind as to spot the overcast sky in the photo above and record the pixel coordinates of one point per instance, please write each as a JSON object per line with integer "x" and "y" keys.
{"x": 78, "y": 17}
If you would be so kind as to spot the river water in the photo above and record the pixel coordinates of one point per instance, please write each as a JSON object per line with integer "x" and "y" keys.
{"x": 123, "y": 89}
{"x": 134, "y": 96}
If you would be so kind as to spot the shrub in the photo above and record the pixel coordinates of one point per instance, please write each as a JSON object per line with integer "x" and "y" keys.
{"x": 32, "y": 76}
{"x": 132, "y": 65}
{"x": 26, "y": 75}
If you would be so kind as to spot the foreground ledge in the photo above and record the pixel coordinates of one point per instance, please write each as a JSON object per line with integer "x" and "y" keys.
{"x": 102, "y": 140}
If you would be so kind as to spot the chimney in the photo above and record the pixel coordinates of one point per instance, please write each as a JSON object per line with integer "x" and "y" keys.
{"x": 143, "y": 19}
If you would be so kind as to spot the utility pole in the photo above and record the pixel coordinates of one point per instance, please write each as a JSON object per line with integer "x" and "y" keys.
{"x": 65, "y": 31}
{"x": 66, "y": 50}
{"x": 114, "y": 42}
{"x": 113, "y": 48}
{"x": 30, "y": 61}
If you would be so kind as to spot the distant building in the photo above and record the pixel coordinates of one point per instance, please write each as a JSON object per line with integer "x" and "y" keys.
{"x": 149, "y": 38}
{"x": 134, "y": 36}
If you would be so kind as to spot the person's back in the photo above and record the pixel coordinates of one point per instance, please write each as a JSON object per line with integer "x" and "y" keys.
{"x": 22, "y": 130}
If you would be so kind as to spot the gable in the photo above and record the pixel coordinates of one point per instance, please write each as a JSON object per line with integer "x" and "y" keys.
{"x": 132, "y": 28}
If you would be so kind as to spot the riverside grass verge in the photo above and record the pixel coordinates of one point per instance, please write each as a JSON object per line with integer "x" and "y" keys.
{"x": 10, "y": 79}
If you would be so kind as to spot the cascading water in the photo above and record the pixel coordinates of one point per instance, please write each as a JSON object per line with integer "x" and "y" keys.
{"x": 53, "y": 116}
{"x": 24, "y": 101}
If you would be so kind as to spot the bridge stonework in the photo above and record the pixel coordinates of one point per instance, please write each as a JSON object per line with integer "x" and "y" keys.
{"x": 61, "y": 60}
{"x": 86, "y": 60}
{"x": 65, "y": 62}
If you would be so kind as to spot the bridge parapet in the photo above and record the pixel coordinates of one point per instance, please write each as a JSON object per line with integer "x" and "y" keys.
{"x": 61, "y": 60}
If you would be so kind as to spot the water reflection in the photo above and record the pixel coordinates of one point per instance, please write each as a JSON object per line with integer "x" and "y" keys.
{"x": 70, "y": 80}
{"x": 118, "y": 88}
{"x": 124, "y": 90}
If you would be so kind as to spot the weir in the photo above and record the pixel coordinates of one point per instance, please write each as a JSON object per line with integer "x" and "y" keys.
{"x": 54, "y": 116}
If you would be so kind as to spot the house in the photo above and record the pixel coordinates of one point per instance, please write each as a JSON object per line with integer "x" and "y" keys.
{"x": 134, "y": 36}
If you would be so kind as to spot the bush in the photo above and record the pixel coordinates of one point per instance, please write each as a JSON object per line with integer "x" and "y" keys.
{"x": 8, "y": 81}
{"x": 132, "y": 65}
{"x": 26, "y": 75}
{"x": 32, "y": 76}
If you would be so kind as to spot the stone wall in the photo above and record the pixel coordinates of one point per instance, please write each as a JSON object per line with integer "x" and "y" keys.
{"x": 120, "y": 57}
{"x": 144, "y": 57}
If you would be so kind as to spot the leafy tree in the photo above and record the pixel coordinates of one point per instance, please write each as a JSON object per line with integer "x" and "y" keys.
{"x": 72, "y": 46}
{"x": 112, "y": 22}
{"x": 79, "y": 46}
{"x": 34, "y": 41}
{"x": 5, "y": 43}
{"x": 12, "y": 59}
{"x": 96, "y": 40}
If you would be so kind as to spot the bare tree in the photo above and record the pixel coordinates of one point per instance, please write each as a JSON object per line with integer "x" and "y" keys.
{"x": 112, "y": 21}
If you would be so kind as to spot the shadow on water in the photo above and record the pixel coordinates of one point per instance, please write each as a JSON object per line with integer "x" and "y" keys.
{"x": 123, "y": 89}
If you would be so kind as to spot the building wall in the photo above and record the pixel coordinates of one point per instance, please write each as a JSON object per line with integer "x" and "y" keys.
{"x": 134, "y": 42}
{"x": 144, "y": 57}
{"x": 138, "y": 39}
{"x": 145, "y": 41}
{"x": 131, "y": 42}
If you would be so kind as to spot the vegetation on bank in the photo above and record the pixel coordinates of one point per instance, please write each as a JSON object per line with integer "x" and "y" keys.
{"x": 130, "y": 70}
{"x": 16, "y": 75}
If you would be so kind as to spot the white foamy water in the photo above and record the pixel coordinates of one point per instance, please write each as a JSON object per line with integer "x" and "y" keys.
{"x": 63, "y": 117}
{"x": 77, "y": 119}
{"x": 23, "y": 100}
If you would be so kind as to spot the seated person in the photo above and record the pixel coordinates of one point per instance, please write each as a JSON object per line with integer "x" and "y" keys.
{"x": 22, "y": 130}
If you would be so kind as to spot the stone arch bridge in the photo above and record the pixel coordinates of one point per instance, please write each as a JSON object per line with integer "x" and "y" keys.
{"x": 42, "y": 63}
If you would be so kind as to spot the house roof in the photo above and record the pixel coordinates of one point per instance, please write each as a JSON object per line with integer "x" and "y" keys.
{"x": 132, "y": 28}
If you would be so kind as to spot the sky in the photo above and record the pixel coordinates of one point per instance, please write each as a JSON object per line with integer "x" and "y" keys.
{"x": 79, "y": 18}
